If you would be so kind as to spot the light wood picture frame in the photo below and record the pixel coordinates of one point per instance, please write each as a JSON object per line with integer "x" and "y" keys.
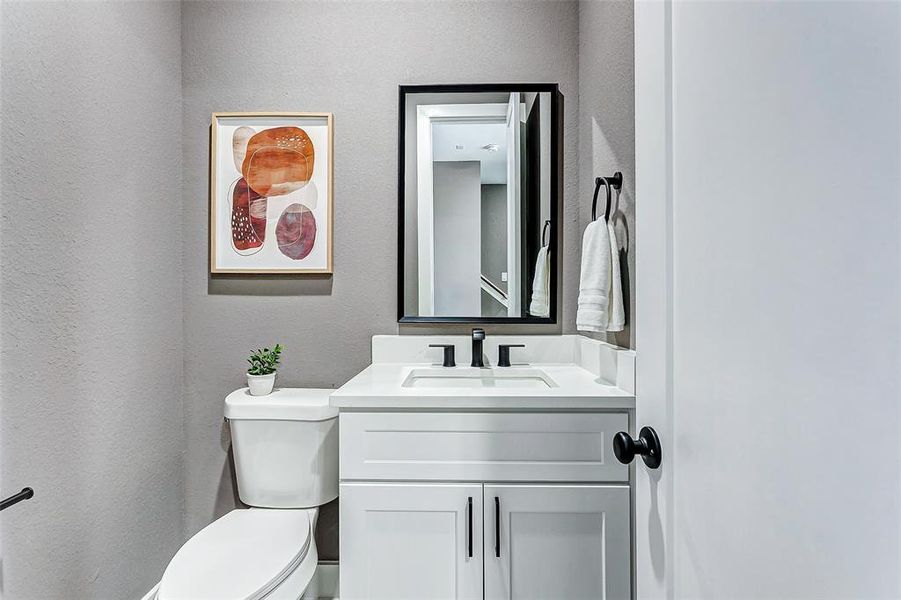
{"x": 271, "y": 192}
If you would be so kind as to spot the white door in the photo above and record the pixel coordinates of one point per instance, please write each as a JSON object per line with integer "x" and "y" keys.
{"x": 514, "y": 208}
{"x": 557, "y": 541}
{"x": 416, "y": 542}
{"x": 768, "y": 198}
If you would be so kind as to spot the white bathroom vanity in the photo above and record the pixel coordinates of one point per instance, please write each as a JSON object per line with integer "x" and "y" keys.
{"x": 494, "y": 482}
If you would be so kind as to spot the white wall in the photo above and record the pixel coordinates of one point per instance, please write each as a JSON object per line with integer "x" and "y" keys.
{"x": 91, "y": 311}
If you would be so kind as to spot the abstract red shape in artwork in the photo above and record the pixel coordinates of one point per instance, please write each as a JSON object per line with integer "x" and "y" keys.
{"x": 248, "y": 218}
{"x": 278, "y": 161}
{"x": 296, "y": 231}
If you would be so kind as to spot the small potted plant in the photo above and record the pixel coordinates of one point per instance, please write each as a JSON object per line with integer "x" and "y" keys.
{"x": 261, "y": 374}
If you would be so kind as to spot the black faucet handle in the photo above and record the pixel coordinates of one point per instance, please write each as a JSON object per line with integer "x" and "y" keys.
{"x": 503, "y": 353}
{"x": 449, "y": 360}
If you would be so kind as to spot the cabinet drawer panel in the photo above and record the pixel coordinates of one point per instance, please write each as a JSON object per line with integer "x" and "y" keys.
{"x": 481, "y": 446}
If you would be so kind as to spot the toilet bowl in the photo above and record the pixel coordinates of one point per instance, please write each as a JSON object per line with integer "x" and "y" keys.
{"x": 286, "y": 462}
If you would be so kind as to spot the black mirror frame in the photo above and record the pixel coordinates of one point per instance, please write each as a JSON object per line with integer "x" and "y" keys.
{"x": 555, "y": 206}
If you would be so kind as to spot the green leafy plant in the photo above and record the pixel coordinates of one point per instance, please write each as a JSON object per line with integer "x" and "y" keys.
{"x": 265, "y": 361}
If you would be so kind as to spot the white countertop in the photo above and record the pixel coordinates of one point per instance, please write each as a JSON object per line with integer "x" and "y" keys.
{"x": 380, "y": 386}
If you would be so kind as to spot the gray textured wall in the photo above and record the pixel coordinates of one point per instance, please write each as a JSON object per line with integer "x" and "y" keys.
{"x": 457, "y": 206}
{"x": 91, "y": 311}
{"x": 104, "y": 242}
{"x": 493, "y": 224}
{"x": 347, "y": 58}
{"x": 607, "y": 128}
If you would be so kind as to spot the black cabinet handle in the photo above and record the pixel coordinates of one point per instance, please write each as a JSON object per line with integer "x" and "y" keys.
{"x": 503, "y": 353}
{"x": 647, "y": 446}
{"x": 497, "y": 527}
{"x": 25, "y": 494}
{"x": 469, "y": 520}
{"x": 449, "y": 360}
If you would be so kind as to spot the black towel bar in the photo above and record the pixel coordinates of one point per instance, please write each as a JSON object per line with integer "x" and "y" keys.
{"x": 615, "y": 182}
{"x": 547, "y": 224}
{"x": 25, "y": 494}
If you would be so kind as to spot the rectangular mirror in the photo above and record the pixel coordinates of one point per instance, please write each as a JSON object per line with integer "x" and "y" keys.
{"x": 478, "y": 184}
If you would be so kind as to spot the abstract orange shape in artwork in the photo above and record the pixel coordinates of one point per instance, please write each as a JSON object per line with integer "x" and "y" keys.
{"x": 248, "y": 218}
{"x": 278, "y": 161}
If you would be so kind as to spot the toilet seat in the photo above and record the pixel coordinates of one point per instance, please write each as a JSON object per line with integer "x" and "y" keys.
{"x": 244, "y": 555}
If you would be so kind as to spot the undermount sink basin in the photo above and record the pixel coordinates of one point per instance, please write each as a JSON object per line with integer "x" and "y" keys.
{"x": 474, "y": 378}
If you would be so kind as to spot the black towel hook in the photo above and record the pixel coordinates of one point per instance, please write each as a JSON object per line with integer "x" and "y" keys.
{"x": 615, "y": 182}
{"x": 547, "y": 224}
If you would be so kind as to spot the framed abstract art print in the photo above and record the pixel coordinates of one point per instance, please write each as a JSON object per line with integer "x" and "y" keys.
{"x": 271, "y": 193}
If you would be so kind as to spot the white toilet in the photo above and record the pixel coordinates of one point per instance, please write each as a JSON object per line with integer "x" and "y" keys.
{"x": 286, "y": 459}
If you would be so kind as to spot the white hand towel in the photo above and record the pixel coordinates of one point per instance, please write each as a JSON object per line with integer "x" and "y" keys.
{"x": 616, "y": 312}
{"x": 540, "y": 305}
{"x": 594, "y": 283}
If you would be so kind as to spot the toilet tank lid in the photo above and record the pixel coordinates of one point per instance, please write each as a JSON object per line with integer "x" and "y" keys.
{"x": 283, "y": 404}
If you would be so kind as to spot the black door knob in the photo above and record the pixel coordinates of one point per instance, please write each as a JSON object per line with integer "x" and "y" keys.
{"x": 647, "y": 446}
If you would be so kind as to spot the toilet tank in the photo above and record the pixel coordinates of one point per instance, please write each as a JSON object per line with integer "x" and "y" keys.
{"x": 285, "y": 447}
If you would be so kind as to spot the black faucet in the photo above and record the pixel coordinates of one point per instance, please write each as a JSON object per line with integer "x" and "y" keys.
{"x": 478, "y": 336}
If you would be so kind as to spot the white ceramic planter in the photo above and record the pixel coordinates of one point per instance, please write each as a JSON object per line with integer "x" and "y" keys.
{"x": 260, "y": 385}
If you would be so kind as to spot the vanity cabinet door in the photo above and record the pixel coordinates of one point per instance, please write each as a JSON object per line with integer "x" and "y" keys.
{"x": 557, "y": 541}
{"x": 409, "y": 541}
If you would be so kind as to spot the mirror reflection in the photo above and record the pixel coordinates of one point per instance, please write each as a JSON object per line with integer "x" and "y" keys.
{"x": 478, "y": 198}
